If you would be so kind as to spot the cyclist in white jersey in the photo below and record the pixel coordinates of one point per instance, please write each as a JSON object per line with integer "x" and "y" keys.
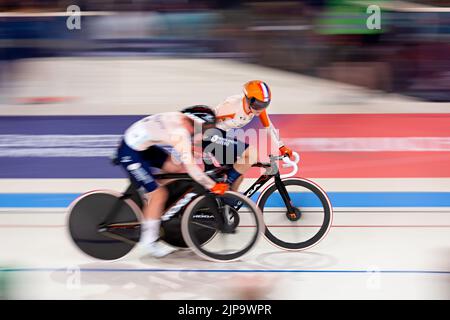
{"x": 164, "y": 141}
{"x": 236, "y": 112}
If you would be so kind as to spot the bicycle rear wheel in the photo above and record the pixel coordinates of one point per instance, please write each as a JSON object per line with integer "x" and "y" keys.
{"x": 86, "y": 216}
{"x": 244, "y": 230}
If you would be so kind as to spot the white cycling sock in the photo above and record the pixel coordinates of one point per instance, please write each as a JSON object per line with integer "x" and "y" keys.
{"x": 150, "y": 230}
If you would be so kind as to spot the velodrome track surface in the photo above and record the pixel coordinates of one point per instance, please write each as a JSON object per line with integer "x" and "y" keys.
{"x": 384, "y": 161}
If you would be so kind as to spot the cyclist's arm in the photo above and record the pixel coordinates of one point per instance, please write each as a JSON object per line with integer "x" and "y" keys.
{"x": 264, "y": 117}
{"x": 184, "y": 148}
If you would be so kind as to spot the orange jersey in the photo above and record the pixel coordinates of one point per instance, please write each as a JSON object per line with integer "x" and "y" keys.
{"x": 232, "y": 114}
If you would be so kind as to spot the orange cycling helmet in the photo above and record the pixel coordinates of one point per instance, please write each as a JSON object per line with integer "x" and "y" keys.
{"x": 257, "y": 94}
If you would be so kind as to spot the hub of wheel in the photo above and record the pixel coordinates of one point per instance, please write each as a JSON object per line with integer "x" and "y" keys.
{"x": 294, "y": 215}
{"x": 234, "y": 221}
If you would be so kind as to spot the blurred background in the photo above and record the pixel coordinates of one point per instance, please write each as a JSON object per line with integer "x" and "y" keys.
{"x": 322, "y": 38}
{"x": 365, "y": 103}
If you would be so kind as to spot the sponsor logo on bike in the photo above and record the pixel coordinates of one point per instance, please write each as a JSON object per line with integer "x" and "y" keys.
{"x": 253, "y": 190}
{"x": 177, "y": 207}
{"x": 203, "y": 216}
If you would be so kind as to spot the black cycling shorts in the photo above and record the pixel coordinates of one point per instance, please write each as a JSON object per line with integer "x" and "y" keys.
{"x": 226, "y": 149}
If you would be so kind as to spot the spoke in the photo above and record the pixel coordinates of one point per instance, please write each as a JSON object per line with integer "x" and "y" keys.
{"x": 123, "y": 225}
{"x": 203, "y": 225}
{"x": 117, "y": 237}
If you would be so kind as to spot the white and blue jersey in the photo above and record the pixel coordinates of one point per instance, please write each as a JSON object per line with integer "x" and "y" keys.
{"x": 148, "y": 142}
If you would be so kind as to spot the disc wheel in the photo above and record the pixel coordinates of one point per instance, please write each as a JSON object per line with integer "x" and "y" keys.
{"x": 86, "y": 220}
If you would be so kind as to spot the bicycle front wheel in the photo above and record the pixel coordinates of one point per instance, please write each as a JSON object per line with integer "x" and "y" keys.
{"x": 313, "y": 211}
{"x": 243, "y": 228}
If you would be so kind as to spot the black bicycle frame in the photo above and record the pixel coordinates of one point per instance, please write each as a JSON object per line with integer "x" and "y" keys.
{"x": 262, "y": 180}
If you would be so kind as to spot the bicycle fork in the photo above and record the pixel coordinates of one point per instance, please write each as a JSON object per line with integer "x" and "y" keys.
{"x": 292, "y": 212}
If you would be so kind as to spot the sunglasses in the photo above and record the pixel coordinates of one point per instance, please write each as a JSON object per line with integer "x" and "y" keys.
{"x": 257, "y": 105}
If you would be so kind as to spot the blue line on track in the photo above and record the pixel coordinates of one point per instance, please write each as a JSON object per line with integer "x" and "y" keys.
{"x": 225, "y": 270}
{"x": 338, "y": 199}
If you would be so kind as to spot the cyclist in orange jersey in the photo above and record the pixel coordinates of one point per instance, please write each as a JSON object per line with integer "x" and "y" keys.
{"x": 236, "y": 112}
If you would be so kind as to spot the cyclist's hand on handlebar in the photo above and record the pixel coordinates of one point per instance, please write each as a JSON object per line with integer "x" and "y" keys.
{"x": 285, "y": 151}
{"x": 220, "y": 188}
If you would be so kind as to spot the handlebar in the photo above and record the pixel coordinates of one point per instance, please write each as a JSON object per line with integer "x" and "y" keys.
{"x": 288, "y": 163}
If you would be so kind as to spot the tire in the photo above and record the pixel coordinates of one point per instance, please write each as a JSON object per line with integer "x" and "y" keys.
{"x": 89, "y": 211}
{"x": 322, "y": 231}
{"x": 188, "y": 230}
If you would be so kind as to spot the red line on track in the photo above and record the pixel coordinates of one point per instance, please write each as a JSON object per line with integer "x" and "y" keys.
{"x": 357, "y": 226}
{"x": 31, "y": 226}
{"x": 270, "y": 226}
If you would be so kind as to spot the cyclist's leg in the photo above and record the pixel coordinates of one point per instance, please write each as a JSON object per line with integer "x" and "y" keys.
{"x": 158, "y": 197}
{"x": 159, "y": 157}
{"x": 228, "y": 149}
{"x": 243, "y": 156}
{"x": 164, "y": 157}
{"x": 241, "y": 166}
{"x": 139, "y": 166}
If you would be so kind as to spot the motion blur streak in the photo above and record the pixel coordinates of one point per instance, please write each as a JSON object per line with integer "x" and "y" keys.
{"x": 360, "y": 89}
